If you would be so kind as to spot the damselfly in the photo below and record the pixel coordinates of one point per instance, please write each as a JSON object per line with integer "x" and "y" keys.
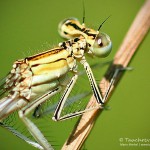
{"x": 35, "y": 79}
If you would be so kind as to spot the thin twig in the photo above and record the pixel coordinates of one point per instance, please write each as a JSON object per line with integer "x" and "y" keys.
{"x": 134, "y": 37}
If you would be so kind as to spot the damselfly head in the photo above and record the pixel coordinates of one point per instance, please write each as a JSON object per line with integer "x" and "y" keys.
{"x": 102, "y": 45}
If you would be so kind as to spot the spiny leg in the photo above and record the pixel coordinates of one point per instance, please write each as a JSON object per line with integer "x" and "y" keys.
{"x": 93, "y": 84}
{"x": 63, "y": 99}
{"x": 92, "y": 81}
{"x": 35, "y": 132}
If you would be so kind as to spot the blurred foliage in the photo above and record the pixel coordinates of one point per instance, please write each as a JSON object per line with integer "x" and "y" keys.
{"x": 30, "y": 26}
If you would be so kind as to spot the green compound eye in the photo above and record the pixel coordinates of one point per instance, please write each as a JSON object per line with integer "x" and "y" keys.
{"x": 102, "y": 45}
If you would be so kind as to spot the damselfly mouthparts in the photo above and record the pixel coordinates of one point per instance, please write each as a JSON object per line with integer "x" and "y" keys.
{"x": 35, "y": 79}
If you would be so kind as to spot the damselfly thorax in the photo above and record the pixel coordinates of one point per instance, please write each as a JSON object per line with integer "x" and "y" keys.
{"x": 35, "y": 79}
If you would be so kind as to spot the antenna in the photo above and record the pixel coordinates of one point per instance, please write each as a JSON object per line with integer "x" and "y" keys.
{"x": 83, "y": 11}
{"x": 103, "y": 23}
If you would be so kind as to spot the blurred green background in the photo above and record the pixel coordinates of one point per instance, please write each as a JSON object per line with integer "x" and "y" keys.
{"x": 26, "y": 27}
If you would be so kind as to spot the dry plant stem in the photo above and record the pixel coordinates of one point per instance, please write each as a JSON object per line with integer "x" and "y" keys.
{"x": 134, "y": 37}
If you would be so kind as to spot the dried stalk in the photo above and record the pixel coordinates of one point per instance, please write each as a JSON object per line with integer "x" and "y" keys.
{"x": 134, "y": 37}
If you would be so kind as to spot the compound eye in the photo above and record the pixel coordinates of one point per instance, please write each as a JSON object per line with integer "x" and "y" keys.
{"x": 102, "y": 45}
